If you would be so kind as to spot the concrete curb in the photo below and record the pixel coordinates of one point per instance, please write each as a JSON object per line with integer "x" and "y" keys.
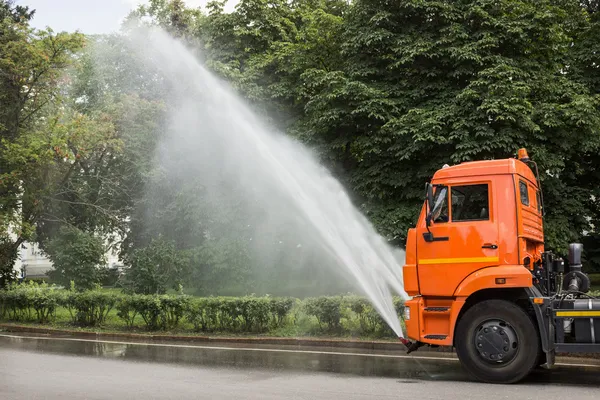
{"x": 281, "y": 341}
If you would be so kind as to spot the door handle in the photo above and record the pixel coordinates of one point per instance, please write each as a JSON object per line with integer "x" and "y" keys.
{"x": 489, "y": 246}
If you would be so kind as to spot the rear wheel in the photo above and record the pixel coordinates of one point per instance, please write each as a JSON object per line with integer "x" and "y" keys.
{"x": 497, "y": 342}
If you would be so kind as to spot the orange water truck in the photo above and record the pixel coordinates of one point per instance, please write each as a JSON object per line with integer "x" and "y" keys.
{"x": 481, "y": 281}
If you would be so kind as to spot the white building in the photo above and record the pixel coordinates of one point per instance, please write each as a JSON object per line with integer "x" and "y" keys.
{"x": 33, "y": 264}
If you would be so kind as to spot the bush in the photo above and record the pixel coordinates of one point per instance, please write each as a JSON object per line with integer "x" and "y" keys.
{"x": 127, "y": 310}
{"x": 194, "y": 313}
{"x": 203, "y": 313}
{"x": 280, "y": 309}
{"x": 238, "y": 314}
{"x": 154, "y": 269}
{"x": 371, "y": 322}
{"x": 89, "y": 308}
{"x": 76, "y": 256}
{"x": 327, "y": 310}
{"x": 172, "y": 309}
{"x": 250, "y": 314}
{"x": 29, "y": 302}
{"x": 369, "y": 318}
{"x": 255, "y": 313}
{"x": 158, "y": 312}
{"x": 399, "y": 305}
{"x": 16, "y": 305}
{"x": 148, "y": 306}
{"x": 44, "y": 302}
{"x": 258, "y": 314}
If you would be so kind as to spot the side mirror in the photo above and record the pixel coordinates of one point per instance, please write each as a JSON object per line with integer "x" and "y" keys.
{"x": 430, "y": 196}
{"x": 430, "y": 204}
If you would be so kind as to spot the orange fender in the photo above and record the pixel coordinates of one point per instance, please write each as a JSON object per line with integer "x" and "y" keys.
{"x": 500, "y": 277}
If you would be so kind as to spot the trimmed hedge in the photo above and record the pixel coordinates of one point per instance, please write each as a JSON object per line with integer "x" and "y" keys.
{"x": 337, "y": 315}
{"x": 32, "y": 302}
{"x": 89, "y": 308}
{"x": 238, "y": 314}
{"x": 331, "y": 310}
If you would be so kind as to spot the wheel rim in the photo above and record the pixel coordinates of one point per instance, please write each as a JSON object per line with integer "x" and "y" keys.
{"x": 496, "y": 341}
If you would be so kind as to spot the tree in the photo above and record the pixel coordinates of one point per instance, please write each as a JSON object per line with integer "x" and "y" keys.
{"x": 155, "y": 268}
{"x": 32, "y": 63}
{"x": 585, "y": 56}
{"x": 172, "y": 15}
{"x": 385, "y": 92}
{"x": 591, "y": 253}
{"x": 10, "y": 16}
{"x": 213, "y": 224}
{"x": 106, "y": 129}
{"x": 16, "y": 13}
{"x": 429, "y": 82}
{"x": 76, "y": 256}
{"x": 265, "y": 47}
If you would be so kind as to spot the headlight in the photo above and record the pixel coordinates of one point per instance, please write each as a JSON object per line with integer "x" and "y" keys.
{"x": 406, "y": 313}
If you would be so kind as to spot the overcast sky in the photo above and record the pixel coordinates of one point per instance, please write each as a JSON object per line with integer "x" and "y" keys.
{"x": 87, "y": 16}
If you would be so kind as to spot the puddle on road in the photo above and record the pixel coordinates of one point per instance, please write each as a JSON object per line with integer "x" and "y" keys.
{"x": 407, "y": 370}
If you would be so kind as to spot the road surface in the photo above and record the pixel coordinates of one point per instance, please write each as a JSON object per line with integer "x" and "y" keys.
{"x": 66, "y": 368}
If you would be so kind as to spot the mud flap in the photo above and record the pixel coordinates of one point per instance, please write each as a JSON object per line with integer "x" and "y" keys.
{"x": 545, "y": 326}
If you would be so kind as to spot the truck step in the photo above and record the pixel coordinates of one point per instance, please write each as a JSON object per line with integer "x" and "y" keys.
{"x": 436, "y": 337}
{"x": 437, "y": 309}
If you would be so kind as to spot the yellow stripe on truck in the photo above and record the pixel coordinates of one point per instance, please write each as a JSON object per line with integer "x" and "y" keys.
{"x": 466, "y": 260}
{"x": 578, "y": 313}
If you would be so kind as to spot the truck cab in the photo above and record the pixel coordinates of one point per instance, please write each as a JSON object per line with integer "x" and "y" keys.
{"x": 477, "y": 271}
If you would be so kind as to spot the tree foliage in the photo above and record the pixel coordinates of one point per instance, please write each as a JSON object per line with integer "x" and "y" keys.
{"x": 77, "y": 257}
{"x": 388, "y": 92}
{"x": 385, "y": 92}
{"x": 32, "y": 63}
{"x": 155, "y": 268}
{"x": 428, "y": 83}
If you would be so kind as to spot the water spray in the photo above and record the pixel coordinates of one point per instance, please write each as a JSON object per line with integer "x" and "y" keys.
{"x": 212, "y": 131}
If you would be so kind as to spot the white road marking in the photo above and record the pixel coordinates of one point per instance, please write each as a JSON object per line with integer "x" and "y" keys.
{"x": 336, "y": 353}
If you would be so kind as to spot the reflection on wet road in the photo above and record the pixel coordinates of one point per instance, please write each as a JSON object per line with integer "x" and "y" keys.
{"x": 78, "y": 368}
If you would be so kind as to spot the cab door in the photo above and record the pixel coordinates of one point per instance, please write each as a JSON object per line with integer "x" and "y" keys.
{"x": 462, "y": 237}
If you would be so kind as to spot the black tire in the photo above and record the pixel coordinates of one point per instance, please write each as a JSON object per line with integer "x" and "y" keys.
{"x": 503, "y": 322}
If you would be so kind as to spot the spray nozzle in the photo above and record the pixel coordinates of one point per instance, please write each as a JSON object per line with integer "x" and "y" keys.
{"x": 410, "y": 347}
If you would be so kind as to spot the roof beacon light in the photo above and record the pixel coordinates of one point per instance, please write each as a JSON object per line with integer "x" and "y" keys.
{"x": 523, "y": 156}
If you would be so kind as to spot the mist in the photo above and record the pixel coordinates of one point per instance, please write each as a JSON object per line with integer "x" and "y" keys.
{"x": 262, "y": 213}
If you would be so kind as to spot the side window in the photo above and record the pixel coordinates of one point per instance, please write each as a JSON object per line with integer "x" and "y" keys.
{"x": 470, "y": 203}
{"x": 524, "y": 193}
{"x": 538, "y": 201}
{"x": 440, "y": 205}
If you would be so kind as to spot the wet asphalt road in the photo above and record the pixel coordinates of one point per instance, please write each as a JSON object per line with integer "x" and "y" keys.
{"x": 45, "y": 368}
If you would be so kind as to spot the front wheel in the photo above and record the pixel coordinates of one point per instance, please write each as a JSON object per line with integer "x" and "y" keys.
{"x": 497, "y": 342}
